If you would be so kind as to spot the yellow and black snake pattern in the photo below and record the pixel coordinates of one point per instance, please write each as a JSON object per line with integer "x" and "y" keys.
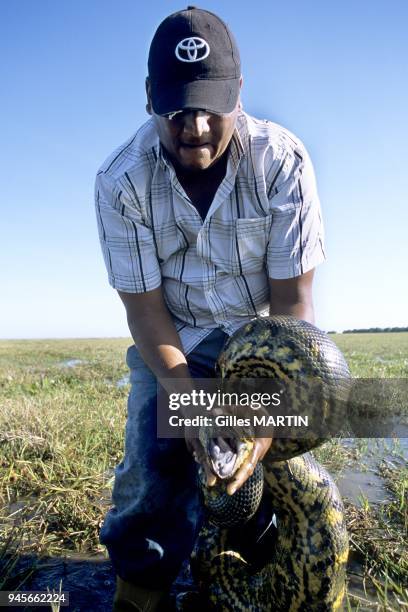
{"x": 299, "y": 562}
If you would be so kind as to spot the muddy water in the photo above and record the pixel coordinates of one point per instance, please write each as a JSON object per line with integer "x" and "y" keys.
{"x": 72, "y": 363}
{"x": 361, "y": 481}
{"x": 359, "y": 486}
{"x": 123, "y": 382}
{"x": 359, "y": 591}
{"x": 90, "y": 580}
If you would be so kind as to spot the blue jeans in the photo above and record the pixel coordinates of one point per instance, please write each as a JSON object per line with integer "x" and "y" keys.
{"x": 156, "y": 516}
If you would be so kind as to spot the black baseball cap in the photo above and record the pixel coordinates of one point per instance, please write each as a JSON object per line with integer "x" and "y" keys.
{"x": 194, "y": 63}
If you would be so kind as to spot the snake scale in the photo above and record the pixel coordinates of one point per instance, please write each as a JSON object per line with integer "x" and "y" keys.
{"x": 292, "y": 554}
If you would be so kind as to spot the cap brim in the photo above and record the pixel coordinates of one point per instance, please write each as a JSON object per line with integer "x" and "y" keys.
{"x": 215, "y": 96}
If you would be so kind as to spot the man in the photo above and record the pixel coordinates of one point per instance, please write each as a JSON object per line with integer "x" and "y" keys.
{"x": 207, "y": 218}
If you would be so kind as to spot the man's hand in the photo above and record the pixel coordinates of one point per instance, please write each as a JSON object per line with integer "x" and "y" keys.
{"x": 260, "y": 448}
{"x": 195, "y": 447}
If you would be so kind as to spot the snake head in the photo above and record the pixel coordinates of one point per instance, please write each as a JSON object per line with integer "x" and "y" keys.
{"x": 227, "y": 455}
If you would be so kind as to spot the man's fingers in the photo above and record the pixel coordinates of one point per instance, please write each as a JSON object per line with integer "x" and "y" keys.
{"x": 211, "y": 478}
{"x": 196, "y": 449}
{"x": 245, "y": 471}
{"x": 261, "y": 445}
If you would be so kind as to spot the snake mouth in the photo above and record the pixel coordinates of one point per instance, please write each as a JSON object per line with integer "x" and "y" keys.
{"x": 224, "y": 456}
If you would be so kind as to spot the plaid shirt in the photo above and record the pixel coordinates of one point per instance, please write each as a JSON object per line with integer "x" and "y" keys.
{"x": 264, "y": 222}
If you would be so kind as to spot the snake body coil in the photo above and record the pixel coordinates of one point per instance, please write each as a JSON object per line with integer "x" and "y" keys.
{"x": 298, "y": 561}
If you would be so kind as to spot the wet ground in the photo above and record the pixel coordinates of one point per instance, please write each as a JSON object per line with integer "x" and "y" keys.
{"x": 72, "y": 363}
{"x": 123, "y": 382}
{"x": 90, "y": 581}
{"x": 361, "y": 480}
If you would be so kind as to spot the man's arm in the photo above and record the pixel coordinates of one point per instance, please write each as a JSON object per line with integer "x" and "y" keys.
{"x": 156, "y": 338}
{"x": 290, "y": 296}
{"x": 159, "y": 345}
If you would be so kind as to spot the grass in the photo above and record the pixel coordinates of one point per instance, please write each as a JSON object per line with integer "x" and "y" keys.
{"x": 375, "y": 355}
{"x": 61, "y": 434}
{"x": 378, "y": 534}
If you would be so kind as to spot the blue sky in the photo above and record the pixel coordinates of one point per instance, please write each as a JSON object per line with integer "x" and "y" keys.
{"x": 73, "y": 90}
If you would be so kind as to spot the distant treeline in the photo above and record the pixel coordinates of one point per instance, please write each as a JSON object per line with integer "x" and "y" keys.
{"x": 372, "y": 330}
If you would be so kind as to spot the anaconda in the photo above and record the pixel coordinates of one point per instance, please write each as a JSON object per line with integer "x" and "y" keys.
{"x": 298, "y": 562}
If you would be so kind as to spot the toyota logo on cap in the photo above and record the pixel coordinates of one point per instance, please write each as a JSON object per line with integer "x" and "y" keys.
{"x": 192, "y": 49}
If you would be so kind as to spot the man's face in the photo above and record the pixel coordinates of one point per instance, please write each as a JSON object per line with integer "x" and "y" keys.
{"x": 195, "y": 139}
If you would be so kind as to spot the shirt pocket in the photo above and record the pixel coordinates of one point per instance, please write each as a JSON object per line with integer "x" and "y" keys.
{"x": 251, "y": 240}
